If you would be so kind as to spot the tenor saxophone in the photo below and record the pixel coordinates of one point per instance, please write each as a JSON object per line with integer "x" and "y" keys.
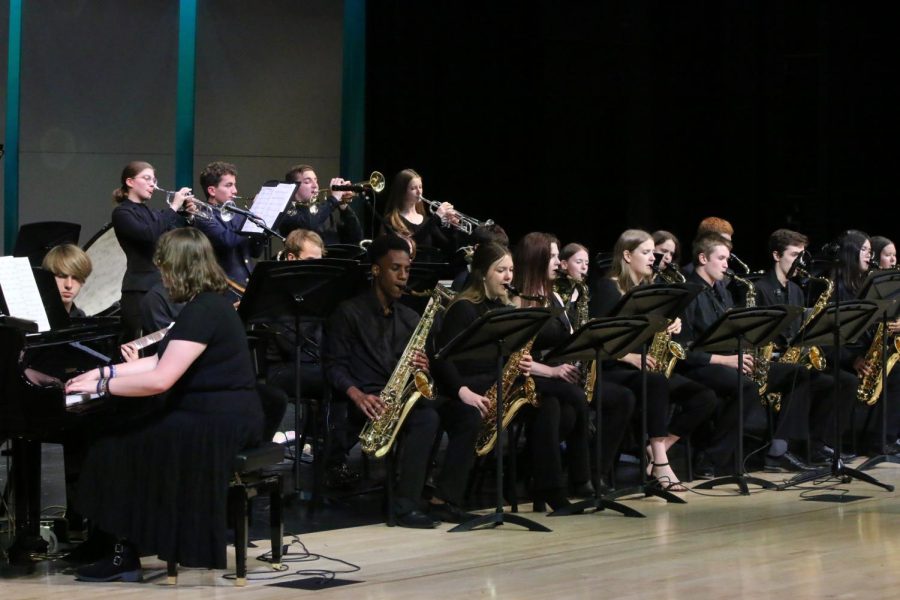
{"x": 405, "y": 386}
{"x": 762, "y": 356}
{"x": 869, "y": 389}
{"x": 812, "y": 358}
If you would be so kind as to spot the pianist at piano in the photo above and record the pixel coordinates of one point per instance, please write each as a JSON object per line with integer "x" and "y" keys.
{"x": 160, "y": 487}
{"x": 71, "y": 266}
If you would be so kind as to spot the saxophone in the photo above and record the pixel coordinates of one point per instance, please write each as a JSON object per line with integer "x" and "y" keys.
{"x": 566, "y": 286}
{"x": 663, "y": 349}
{"x": 813, "y": 357}
{"x": 515, "y": 396}
{"x": 405, "y": 386}
{"x": 869, "y": 389}
{"x": 762, "y": 356}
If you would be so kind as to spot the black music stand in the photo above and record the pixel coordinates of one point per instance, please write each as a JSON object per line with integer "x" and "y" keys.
{"x": 883, "y": 285}
{"x": 302, "y": 288}
{"x": 36, "y": 239}
{"x": 422, "y": 279}
{"x": 735, "y": 331}
{"x": 666, "y": 301}
{"x": 492, "y": 336}
{"x": 603, "y": 339}
{"x": 837, "y": 325}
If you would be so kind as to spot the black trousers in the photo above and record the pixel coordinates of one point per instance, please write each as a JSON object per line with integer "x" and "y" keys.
{"x": 822, "y": 405}
{"x": 873, "y": 433}
{"x": 720, "y": 441}
{"x": 697, "y": 402}
{"x": 416, "y": 441}
{"x": 564, "y": 404}
{"x": 130, "y": 310}
{"x": 793, "y": 382}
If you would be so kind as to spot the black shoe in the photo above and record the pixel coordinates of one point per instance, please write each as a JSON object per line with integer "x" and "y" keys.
{"x": 123, "y": 565}
{"x": 416, "y": 519}
{"x": 97, "y": 546}
{"x": 556, "y": 499}
{"x": 341, "y": 477}
{"x": 818, "y": 458}
{"x": 584, "y": 490}
{"x": 786, "y": 463}
{"x": 449, "y": 513}
{"x": 703, "y": 467}
{"x": 888, "y": 449}
{"x": 828, "y": 451}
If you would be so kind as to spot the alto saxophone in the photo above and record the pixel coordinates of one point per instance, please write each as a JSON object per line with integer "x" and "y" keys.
{"x": 762, "y": 356}
{"x": 665, "y": 351}
{"x": 869, "y": 389}
{"x": 566, "y": 287}
{"x": 813, "y": 358}
{"x": 405, "y": 386}
{"x": 514, "y": 396}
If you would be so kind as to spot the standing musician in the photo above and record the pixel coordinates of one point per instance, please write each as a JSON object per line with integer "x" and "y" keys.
{"x": 160, "y": 487}
{"x": 339, "y": 226}
{"x": 774, "y": 289}
{"x": 364, "y": 339}
{"x": 632, "y": 266}
{"x": 405, "y": 214}
{"x": 562, "y": 411}
{"x": 854, "y": 263}
{"x": 235, "y": 251}
{"x": 71, "y": 266}
{"x": 716, "y": 371}
{"x": 137, "y": 228}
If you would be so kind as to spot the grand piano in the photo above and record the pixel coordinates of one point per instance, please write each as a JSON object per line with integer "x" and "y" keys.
{"x": 33, "y": 404}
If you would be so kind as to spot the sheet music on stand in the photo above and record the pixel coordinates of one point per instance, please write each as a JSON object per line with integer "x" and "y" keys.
{"x": 20, "y": 292}
{"x": 271, "y": 201}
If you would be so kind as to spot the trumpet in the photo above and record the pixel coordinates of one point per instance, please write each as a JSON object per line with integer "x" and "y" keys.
{"x": 464, "y": 223}
{"x": 375, "y": 183}
{"x": 202, "y": 210}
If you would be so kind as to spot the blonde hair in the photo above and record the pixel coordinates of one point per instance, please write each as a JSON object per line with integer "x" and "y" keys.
{"x": 293, "y": 244}
{"x": 68, "y": 259}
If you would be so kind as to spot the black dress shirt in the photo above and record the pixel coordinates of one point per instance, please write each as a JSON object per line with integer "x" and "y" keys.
{"x": 334, "y": 225}
{"x": 362, "y": 344}
{"x": 700, "y": 314}
{"x": 770, "y": 292}
{"x": 138, "y": 227}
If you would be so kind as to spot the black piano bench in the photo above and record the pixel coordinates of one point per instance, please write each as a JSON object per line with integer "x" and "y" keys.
{"x": 249, "y": 481}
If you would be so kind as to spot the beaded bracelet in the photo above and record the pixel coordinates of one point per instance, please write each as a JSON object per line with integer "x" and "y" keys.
{"x": 112, "y": 371}
{"x": 100, "y": 386}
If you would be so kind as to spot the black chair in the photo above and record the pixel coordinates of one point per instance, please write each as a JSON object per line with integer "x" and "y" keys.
{"x": 250, "y": 480}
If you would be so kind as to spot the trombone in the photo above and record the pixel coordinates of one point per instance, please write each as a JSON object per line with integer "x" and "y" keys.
{"x": 465, "y": 223}
{"x": 375, "y": 183}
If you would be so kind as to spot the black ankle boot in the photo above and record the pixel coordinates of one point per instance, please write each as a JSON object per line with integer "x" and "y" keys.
{"x": 123, "y": 564}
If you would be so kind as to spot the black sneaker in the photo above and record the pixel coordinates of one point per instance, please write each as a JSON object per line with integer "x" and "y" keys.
{"x": 449, "y": 513}
{"x": 123, "y": 565}
{"x": 786, "y": 463}
{"x": 416, "y": 519}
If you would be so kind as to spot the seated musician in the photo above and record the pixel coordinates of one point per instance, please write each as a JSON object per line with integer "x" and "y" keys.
{"x": 364, "y": 339}
{"x": 334, "y": 220}
{"x": 855, "y": 262}
{"x": 406, "y": 214}
{"x": 70, "y": 266}
{"x": 667, "y": 245}
{"x": 160, "y": 487}
{"x": 774, "y": 289}
{"x": 716, "y": 371}
{"x": 632, "y": 266}
{"x": 480, "y": 235}
{"x": 884, "y": 252}
{"x": 562, "y": 411}
{"x": 235, "y": 251}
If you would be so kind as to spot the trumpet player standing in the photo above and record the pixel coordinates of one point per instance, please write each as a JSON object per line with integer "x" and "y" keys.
{"x": 406, "y": 215}
{"x": 334, "y": 220}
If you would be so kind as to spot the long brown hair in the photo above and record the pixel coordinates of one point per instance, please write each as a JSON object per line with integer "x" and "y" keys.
{"x": 483, "y": 259}
{"x": 187, "y": 262}
{"x": 532, "y": 259}
{"x": 395, "y": 201}
{"x": 131, "y": 170}
{"x": 620, "y": 271}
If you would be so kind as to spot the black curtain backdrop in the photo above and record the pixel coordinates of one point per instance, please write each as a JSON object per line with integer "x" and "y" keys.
{"x": 586, "y": 118}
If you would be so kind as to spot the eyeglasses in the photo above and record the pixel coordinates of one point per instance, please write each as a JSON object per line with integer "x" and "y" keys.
{"x": 148, "y": 178}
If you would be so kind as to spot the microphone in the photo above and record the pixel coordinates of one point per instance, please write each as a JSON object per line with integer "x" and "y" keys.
{"x": 232, "y": 207}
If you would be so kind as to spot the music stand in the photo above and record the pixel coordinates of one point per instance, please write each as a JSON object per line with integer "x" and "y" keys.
{"x": 666, "y": 301}
{"x": 36, "y": 239}
{"x": 492, "y": 336}
{"x": 302, "y": 288}
{"x": 422, "y": 279}
{"x": 841, "y": 324}
{"x": 598, "y": 340}
{"x": 883, "y": 285}
{"x": 735, "y": 331}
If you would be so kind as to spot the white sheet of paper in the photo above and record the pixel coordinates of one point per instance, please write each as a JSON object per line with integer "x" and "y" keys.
{"x": 21, "y": 292}
{"x": 268, "y": 204}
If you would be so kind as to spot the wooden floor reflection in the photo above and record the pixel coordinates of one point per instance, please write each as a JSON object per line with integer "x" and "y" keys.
{"x": 772, "y": 544}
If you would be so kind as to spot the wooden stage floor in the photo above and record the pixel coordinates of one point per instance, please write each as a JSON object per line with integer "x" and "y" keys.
{"x": 782, "y": 544}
